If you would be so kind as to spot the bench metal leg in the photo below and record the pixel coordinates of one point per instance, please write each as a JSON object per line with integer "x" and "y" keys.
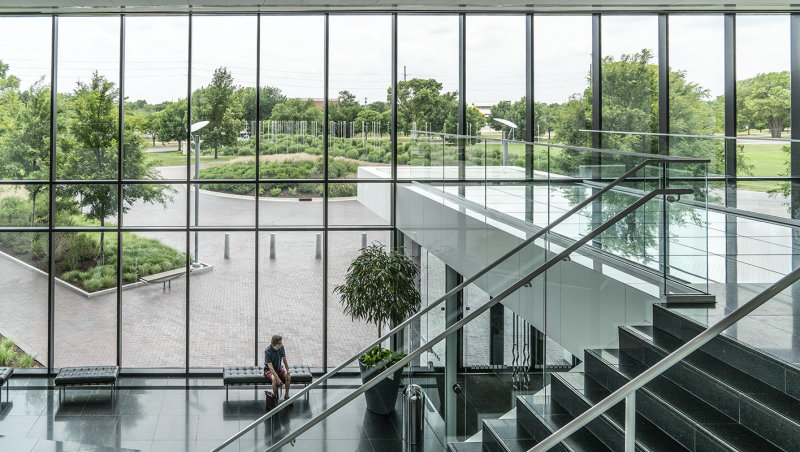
{"x": 226, "y": 393}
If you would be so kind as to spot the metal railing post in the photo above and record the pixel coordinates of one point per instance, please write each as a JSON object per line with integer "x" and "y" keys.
{"x": 630, "y": 422}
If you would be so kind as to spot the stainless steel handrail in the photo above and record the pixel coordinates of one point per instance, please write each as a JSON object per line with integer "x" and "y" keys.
{"x": 627, "y": 390}
{"x": 668, "y": 158}
{"x": 444, "y": 297}
{"x": 684, "y": 135}
{"x": 476, "y": 312}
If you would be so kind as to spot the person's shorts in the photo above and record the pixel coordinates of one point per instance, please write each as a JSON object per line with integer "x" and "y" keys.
{"x": 281, "y": 374}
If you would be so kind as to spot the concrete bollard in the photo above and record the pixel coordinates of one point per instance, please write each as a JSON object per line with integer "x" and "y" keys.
{"x": 363, "y": 240}
{"x": 227, "y": 245}
{"x": 318, "y": 252}
{"x": 272, "y": 245}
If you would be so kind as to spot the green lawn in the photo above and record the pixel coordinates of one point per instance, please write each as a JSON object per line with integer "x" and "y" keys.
{"x": 767, "y": 159}
{"x": 176, "y": 158}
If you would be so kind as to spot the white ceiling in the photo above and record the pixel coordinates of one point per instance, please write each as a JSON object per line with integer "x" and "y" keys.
{"x": 100, "y": 6}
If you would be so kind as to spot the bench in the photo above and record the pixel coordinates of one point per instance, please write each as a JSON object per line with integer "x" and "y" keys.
{"x": 164, "y": 277}
{"x": 5, "y": 374}
{"x": 87, "y": 376}
{"x": 254, "y": 375}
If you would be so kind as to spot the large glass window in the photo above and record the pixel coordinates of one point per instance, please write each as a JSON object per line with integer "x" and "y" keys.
{"x": 291, "y": 100}
{"x": 763, "y": 107}
{"x": 24, "y": 155}
{"x": 697, "y": 92}
{"x": 561, "y": 79}
{"x": 347, "y": 336}
{"x": 87, "y": 148}
{"x": 154, "y": 147}
{"x": 496, "y": 89}
{"x": 222, "y": 290}
{"x": 359, "y": 82}
{"x": 427, "y": 98}
{"x": 630, "y": 82}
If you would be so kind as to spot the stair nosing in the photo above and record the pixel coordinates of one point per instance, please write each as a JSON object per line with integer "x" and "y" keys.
{"x": 732, "y": 340}
{"x": 618, "y": 427}
{"x": 700, "y": 427}
{"x": 635, "y": 332}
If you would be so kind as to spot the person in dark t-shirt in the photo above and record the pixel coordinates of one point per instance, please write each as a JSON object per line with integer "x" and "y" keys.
{"x": 276, "y": 370}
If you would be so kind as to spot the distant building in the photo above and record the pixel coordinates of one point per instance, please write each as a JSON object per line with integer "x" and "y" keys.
{"x": 320, "y": 102}
{"x": 484, "y": 107}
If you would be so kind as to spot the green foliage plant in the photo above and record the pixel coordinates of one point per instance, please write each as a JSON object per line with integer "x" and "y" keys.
{"x": 379, "y": 288}
{"x": 380, "y": 357}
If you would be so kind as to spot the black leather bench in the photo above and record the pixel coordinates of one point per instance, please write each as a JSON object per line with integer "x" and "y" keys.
{"x": 254, "y": 375}
{"x": 5, "y": 374}
{"x": 87, "y": 376}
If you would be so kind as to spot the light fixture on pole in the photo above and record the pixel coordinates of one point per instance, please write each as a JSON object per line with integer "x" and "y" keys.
{"x": 508, "y": 123}
{"x": 193, "y": 130}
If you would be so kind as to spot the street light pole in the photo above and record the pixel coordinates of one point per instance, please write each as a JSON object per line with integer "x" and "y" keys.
{"x": 194, "y": 129}
{"x": 196, "y": 196}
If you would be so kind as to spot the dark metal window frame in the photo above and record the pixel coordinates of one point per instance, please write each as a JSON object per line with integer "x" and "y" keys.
{"x": 325, "y": 227}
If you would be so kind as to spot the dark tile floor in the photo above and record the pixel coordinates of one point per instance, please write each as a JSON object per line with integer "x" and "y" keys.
{"x": 162, "y": 417}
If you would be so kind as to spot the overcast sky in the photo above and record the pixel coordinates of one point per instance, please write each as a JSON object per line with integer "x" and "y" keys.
{"x": 360, "y": 52}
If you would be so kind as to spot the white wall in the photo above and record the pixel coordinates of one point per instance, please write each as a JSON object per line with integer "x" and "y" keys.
{"x": 584, "y": 305}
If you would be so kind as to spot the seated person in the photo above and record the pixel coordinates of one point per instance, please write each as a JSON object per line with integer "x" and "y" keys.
{"x": 276, "y": 370}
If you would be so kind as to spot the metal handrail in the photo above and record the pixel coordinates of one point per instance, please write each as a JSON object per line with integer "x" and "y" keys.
{"x": 685, "y": 135}
{"x": 628, "y": 390}
{"x": 476, "y": 312}
{"x": 668, "y": 158}
{"x": 444, "y": 297}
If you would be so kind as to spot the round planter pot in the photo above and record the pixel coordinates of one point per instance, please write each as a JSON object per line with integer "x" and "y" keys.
{"x": 382, "y": 397}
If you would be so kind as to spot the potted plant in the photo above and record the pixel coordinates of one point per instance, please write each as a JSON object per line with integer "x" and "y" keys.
{"x": 379, "y": 288}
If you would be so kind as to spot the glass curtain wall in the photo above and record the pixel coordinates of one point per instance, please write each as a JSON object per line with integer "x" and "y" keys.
{"x": 24, "y": 158}
{"x": 154, "y": 149}
{"x": 360, "y": 77}
{"x": 630, "y": 82}
{"x": 427, "y": 62}
{"x": 87, "y": 153}
{"x": 697, "y": 93}
{"x": 291, "y": 173}
{"x": 217, "y": 168}
{"x": 763, "y": 111}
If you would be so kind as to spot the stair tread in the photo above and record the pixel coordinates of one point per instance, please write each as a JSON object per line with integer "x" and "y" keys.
{"x": 465, "y": 447}
{"x": 694, "y": 409}
{"x": 761, "y": 362}
{"x": 553, "y": 416}
{"x": 648, "y": 435}
{"x": 778, "y": 401}
{"x": 513, "y": 436}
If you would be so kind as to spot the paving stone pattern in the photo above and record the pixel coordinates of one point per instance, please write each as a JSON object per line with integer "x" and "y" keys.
{"x": 221, "y": 304}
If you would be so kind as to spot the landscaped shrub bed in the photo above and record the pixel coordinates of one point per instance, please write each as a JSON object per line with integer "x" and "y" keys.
{"x": 296, "y": 169}
{"x": 78, "y": 255}
{"x": 13, "y": 356}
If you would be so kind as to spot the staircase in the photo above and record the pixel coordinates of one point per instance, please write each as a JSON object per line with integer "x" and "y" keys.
{"x": 725, "y": 397}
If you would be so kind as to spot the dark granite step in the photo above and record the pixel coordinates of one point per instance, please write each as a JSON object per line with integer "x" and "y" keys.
{"x": 761, "y": 408}
{"x": 779, "y": 374}
{"x": 505, "y": 435}
{"x": 577, "y": 392}
{"x": 690, "y": 421}
{"x": 465, "y": 447}
{"x": 541, "y": 417}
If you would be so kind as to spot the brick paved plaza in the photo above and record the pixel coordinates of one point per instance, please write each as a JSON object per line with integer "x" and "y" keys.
{"x": 222, "y": 301}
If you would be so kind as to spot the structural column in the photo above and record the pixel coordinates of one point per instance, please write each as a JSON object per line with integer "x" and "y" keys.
{"x": 731, "y": 248}
{"x": 530, "y": 120}
{"x": 452, "y": 353}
